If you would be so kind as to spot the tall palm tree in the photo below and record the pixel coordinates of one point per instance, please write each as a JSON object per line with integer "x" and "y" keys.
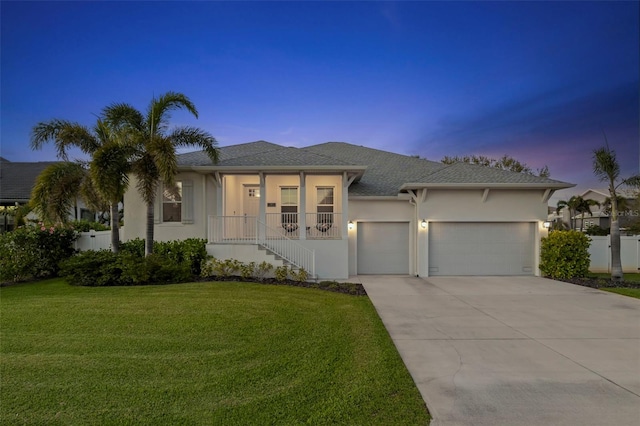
{"x": 584, "y": 206}
{"x": 607, "y": 169}
{"x": 154, "y": 160}
{"x": 105, "y": 178}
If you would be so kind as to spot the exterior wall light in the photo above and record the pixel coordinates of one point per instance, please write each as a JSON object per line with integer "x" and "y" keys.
{"x": 423, "y": 224}
{"x": 547, "y": 224}
{"x": 351, "y": 225}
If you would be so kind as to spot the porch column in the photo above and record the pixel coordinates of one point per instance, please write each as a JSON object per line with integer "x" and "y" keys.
{"x": 303, "y": 207}
{"x": 262, "y": 216}
{"x": 345, "y": 206}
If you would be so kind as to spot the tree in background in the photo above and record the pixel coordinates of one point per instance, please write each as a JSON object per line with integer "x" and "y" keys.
{"x": 101, "y": 183}
{"x": 154, "y": 159}
{"x": 607, "y": 169}
{"x": 503, "y": 163}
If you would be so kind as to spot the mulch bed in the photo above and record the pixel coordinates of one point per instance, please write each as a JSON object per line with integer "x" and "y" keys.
{"x": 353, "y": 289}
{"x": 601, "y": 283}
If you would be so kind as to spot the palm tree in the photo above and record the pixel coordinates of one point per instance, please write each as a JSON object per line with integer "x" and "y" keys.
{"x": 103, "y": 182}
{"x": 154, "y": 159}
{"x": 607, "y": 169}
{"x": 584, "y": 206}
{"x": 57, "y": 189}
{"x": 572, "y": 205}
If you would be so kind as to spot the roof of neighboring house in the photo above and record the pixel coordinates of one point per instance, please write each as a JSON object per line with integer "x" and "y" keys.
{"x": 385, "y": 173}
{"x": 17, "y": 179}
{"x": 624, "y": 192}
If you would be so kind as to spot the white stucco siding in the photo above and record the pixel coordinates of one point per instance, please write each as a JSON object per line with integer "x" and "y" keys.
{"x": 135, "y": 212}
{"x": 499, "y": 206}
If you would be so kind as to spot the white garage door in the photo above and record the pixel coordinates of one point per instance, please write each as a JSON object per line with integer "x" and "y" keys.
{"x": 383, "y": 248}
{"x": 462, "y": 248}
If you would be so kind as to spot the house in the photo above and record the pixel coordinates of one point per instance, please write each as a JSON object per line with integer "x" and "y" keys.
{"x": 16, "y": 182}
{"x": 338, "y": 209}
{"x": 599, "y": 216}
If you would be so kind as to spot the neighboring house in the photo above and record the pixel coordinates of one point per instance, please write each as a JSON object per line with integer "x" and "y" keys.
{"x": 599, "y": 217}
{"x": 338, "y": 209}
{"x": 16, "y": 182}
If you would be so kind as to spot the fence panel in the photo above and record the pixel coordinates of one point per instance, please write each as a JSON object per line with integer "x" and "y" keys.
{"x": 94, "y": 240}
{"x": 600, "y": 252}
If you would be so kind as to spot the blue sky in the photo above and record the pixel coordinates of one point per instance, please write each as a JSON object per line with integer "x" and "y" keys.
{"x": 539, "y": 81}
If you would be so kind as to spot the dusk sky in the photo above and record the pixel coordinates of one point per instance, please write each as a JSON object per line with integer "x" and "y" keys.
{"x": 539, "y": 81}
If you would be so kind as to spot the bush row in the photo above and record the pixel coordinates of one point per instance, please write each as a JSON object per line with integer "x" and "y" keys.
{"x": 171, "y": 262}
{"x": 216, "y": 268}
{"x": 34, "y": 251}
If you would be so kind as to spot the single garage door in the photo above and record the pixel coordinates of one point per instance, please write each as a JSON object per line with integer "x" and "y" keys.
{"x": 462, "y": 248}
{"x": 383, "y": 248}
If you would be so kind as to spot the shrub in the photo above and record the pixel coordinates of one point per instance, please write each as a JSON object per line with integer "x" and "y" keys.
{"x": 34, "y": 251}
{"x": 262, "y": 270}
{"x": 92, "y": 268}
{"x": 281, "y": 273}
{"x": 565, "y": 254}
{"x": 133, "y": 246}
{"x": 86, "y": 226}
{"x": 301, "y": 275}
{"x": 597, "y": 230}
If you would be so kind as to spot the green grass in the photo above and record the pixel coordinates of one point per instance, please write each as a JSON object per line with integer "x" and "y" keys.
{"x": 202, "y": 353}
{"x": 630, "y": 277}
{"x": 631, "y": 292}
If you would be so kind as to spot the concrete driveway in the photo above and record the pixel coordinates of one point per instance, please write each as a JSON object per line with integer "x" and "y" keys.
{"x": 515, "y": 350}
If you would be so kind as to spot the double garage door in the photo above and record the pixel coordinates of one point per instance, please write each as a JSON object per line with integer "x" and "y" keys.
{"x": 455, "y": 248}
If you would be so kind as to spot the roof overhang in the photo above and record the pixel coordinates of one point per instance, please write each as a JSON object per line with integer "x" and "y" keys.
{"x": 352, "y": 170}
{"x": 554, "y": 186}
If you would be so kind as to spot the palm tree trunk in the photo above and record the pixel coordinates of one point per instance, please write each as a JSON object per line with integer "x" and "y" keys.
{"x": 115, "y": 225}
{"x": 150, "y": 223}
{"x": 616, "y": 264}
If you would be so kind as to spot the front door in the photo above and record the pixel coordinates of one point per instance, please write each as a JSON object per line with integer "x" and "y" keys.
{"x": 251, "y": 209}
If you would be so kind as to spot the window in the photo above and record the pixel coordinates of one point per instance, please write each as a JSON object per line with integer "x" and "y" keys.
{"x": 325, "y": 204}
{"x": 289, "y": 204}
{"x": 86, "y": 214}
{"x": 172, "y": 203}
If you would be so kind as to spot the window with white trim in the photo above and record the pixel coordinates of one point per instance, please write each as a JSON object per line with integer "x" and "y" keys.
{"x": 325, "y": 203}
{"x": 172, "y": 203}
{"x": 289, "y": 204}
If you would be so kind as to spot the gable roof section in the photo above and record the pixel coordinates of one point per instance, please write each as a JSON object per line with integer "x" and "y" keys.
{"x": 386, "y": 171}
{"x": 476, "y": 175}
{"x": 226, "y": 153}
{"x": 17, "y": 180}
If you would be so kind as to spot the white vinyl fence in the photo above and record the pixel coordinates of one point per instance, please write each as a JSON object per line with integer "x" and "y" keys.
{"x": 600, "y": 252}
{"x": 95, "y": 240}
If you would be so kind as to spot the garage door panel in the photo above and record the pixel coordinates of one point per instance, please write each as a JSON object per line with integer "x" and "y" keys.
{"x": 481, "y": 248}
{"x": 383, "y": 248}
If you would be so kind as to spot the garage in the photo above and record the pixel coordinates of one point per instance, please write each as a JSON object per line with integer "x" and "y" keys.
{"x": 383, "y": 248}
{"x": 481, "y": 248}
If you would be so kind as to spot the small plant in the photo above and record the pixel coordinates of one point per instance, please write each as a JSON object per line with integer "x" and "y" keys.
{"x": 86, "y": 226}
{"x": 260, "y": 272}
{"x": 226, "y": 268}
{"x": 281, "y": 273}
{"x": 247, "y": 269}
{"x": 565, "y": 254}
{"x": 301, "y": 275}
{"x": 597, "y": 230}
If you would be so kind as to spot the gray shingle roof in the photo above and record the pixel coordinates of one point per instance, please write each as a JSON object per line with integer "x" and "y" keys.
{"x": 385, "y": 173}
{"x": 473, "y": 173}
{"x": 226, "y": 153}
{"x": 17, "y": 179}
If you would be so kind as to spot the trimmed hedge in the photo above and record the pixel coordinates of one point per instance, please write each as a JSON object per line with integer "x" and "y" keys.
{"x": 565, "y": 254}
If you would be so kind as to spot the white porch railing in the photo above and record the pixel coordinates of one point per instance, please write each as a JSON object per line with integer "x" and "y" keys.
{"x": 286, "y": 248}
{"x": 232, "y": 229}
{"x": 318, "y": 225}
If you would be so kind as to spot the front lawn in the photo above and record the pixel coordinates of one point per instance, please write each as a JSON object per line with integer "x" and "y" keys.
{"x": 201, "y": 353}
{"x": 631, "y": 292}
